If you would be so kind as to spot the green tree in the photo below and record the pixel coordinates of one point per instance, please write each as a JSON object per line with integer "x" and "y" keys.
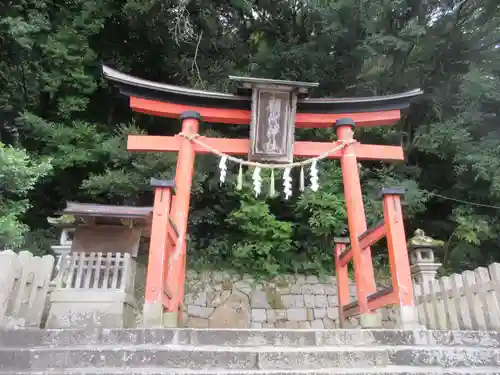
{"x": 19, "y": 174}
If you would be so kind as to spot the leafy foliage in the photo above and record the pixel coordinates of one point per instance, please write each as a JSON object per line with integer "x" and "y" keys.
{"x": 54, "y": 103}
{"x": 18, "y": 175}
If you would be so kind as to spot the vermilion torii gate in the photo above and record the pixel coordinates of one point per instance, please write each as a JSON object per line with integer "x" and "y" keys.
{"x": 165, "y": 276}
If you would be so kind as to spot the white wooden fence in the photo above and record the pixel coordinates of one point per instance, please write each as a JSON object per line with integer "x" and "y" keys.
{"x": 467, "y": 301}
{"x": 24, "y": 284}
{"x": 104, "y": 271}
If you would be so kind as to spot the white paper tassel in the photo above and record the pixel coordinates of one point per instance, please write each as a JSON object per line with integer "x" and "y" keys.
{"x": 287, "y": 183}
{"x": 223, "y": 170}
{"x": 302, "y": 184}
{"x": 314, "y": 176}
{"x": 272, "y": 187}
{"x": 239, "y": 184}
{"x": 257, "y": 181}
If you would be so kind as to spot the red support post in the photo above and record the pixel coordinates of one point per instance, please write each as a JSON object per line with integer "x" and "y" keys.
{"x": 402, "y": 284}
{"x": 159, "y": 247}
{"x": 183, "y": 179}
{"x": 342, "y": 277}
{"x": 363, "y": 267}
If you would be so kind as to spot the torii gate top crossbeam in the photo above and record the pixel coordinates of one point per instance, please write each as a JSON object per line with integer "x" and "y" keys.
{"x": 165, "y": 100}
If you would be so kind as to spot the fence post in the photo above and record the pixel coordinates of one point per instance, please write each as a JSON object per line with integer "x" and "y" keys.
{"x": 8, "y": 271}
{"x": 398, "y": 257}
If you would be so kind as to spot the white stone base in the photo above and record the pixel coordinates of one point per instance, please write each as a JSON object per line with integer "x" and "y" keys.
{"x": 73, "y": 308}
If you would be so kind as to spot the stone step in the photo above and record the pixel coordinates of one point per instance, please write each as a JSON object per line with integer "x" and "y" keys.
{"x": 28, "y": 338}
{"x": 165, "y": 371}
{"x": 245, "y": 358}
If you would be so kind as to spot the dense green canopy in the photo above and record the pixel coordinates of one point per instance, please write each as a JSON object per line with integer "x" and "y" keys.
{"x": 63, "y": 127}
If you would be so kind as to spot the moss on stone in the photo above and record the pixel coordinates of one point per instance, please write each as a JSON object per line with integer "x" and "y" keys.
{"x": 227, "y": 285}
{"x": 282, "y": 282}
{"x": 274, "y": 299}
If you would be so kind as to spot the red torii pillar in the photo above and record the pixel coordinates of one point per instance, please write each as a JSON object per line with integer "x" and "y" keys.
{"x": 356, "y": 220}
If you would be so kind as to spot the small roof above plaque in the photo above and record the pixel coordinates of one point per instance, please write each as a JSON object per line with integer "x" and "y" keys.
{"x": 249, "y": 83}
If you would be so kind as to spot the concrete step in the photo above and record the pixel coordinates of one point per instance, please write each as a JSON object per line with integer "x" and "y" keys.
{"x": 246, "y": 358}
{"x": 159, "y": 371}
{"x": 30, "y": 338}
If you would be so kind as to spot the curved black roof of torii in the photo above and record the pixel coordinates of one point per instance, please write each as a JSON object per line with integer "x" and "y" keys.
{"x": 141, "y": 88}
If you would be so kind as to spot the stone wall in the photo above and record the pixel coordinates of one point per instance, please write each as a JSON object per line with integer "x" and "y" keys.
{"x": 225, "y": 300}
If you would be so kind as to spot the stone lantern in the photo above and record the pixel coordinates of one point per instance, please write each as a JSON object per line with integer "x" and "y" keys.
{"x": 67, "y": 225}
{"x": 423, "y": 263}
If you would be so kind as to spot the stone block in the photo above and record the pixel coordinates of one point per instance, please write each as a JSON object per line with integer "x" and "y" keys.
{"x": 248, "y": 278}
{"x": 182, "y": 359}
{"x": 300, "y": 279}
{"x": 283, "y": 290}
{"x": 258, "y": 300}
{"x": 320, "y": 301}
{"x": 233, "y": 313}
{"x": 310, "y": 314}
{"x": 312, "y": 280}
{"x": 87, "y": 308}
{"x": 218, "y": 287}
{"x": 330, "y": 290}
{"x": 247, "y": 338}
{"x": 329, "y": 324}
{"x": 291, "y": 324}
{"x": 201, "y": 299}
{"x": 333, "y": 301}
{"x": 332, "y": 313}
{"x": 206, "y": 276}
{"x": 259, "y": 315}
{"x": 318, "y": 288}
{"x": 297, "y": 314}
{"x": 445, "y": 357}
{"x": 32, "y": 337}
{"x": 323, "y": 359}
{"x": 271, "y": 316}
{"x": 319, "y": 313}
{"x": 309, "y": 300}
{"x": 217, "y": 277}
{"x": 295, "y": 289}
{"x": 194, "y": 322}
{"x": 188, "y": 299}
{"x": 15, "y": 360}
{"x": 306, "y": 289}
{"x": 317, "y": 324}
{"x": 288, "y": 301}
{"x": 168, "y": 336}
{"x": 280, "y": 314}
{"x": 243, "y": 287}
{"x": 255, "y": 325}
{"x": 485, "y": 339}
{"x": 199, "y": 311}
{"x": 218, "y": 298}
{"x": 299, "y": 301}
